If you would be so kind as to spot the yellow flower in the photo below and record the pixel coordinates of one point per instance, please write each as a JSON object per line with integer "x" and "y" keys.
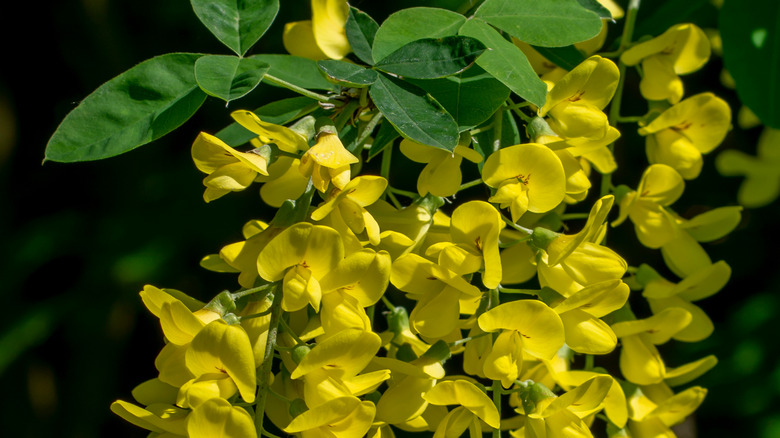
{"x": 655, "y": 417}
{"x": 682, "y": 133}
{"x": 439, "y": 293}
{"x": 682, "y": 49}
{"x": 323, "y": 36}
{"x": 662, "y": 294}
{"x": 640, "y": 361}
{"x": 441, "y": 175}
{"x": 159, "y": 418}
{"x": 228, "y": 169}
{"x": 762, "y": 172}
{"x": 526, "y": 326}
{"x": 327, "y": 162}
{"x": 349, "y": 203}
{"x": 659, "y": 187}
{"x": 301, "y": 255}
{"x": 580, "y": 313}
{"x": 217, "y": 417}
{"x": 528, "y": 177}
{"x": 474, "y": 405}
{"x": 574, "y": 104}
{"x": 342, "y": 417}
{"x": 474, "y": 229}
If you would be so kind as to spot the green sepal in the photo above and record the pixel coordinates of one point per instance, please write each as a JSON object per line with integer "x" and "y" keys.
{"x": 222, "y": 304}
{"x": 531, "y": 393}
{"x": 373, "y": 397}
{"x": 325, "y": 125}
{"x": 541, "y": 238}
{"x": 430, "y": 203}
{"x": 550, "y": 297}
{"x": 398, "y": 320}
{"x": 538, "y": 127}
{"x": 620, "y": 192}
{"x": 297, "y": 407}
{"x": 405, "y": 353}
{"x": 439, "y": 351}
{"x": 299, "y": 352}
{"x": 645, "y": 274}
{"x": 292, "y": 212}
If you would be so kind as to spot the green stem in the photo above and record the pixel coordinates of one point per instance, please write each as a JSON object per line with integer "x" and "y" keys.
{"x": 614, "y": 109}
{"x": 289, "y": 154}
{"x": 268, "y": 359}
{"x": 514, "y": 242}
{"x": 299, "y": 90}
{"x": 516, "y": 109}
{"x": 497, "y": 401}
{"x": 588, "y": 362}
{"x": 498, "y": 122}
{"x": 384, "y": 168}
{"x": 291, "y": 332}
{"x": 394, "y": 200}
{"x": 254, "y": 290}
{"x": 470, "y": 338}
{"x": 630, "y": 119}
{"x": 515, "y": 226}
{"x": 573, "y": 216}
{"x": 508, "y": 290}
{"x": 470, "y": 184}
{"x": 388, "y": 303}
{"x": 410, "y": 195}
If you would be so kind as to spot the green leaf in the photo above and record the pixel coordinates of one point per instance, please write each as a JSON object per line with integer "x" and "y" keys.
{"x": 407, "y": 25}
{"x": 414, "y": 113}
{"x": 470, "y": 97}
{"x": 751, "y": 51}
{"x": 597, "y": 8}
{"x": 229, "y": 77}
{"x": 564, "y": 57}
{"x": 139, "y": 106}
{"x": 347, "y": 73}
{"x": 296, "y": 70}
{"x": 384, "y": 137}
{"x": 431, "y": 58}
{"x": 361, "y": 29}
{"x": 279, "y": 112}
{"x": 238, "y": 24}
{"x": 506, "y": 62}
{"x": 548, "y": 23}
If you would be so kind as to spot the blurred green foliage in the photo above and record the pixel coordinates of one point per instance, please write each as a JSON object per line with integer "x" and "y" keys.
{"x": 80, "y": 240}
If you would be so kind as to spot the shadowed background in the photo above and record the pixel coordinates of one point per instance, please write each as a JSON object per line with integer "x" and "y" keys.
{"x": 78, "y": 241}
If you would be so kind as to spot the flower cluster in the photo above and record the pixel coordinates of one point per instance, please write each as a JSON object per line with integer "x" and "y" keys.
{"x": 352, "y": 304}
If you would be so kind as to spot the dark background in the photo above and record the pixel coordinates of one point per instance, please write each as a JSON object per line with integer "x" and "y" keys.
{"x": 78, "y": 241}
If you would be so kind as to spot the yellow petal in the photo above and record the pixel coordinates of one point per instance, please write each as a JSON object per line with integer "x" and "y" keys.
{"x": 344, "y": 354}
{"x": 505, "y": 360}
{"x": 158, "y": 418}
{"x": 224, "y": 348}
{"x": 464, "y": 393}
{"x": 640, "y": 361}
{"x": 593, "y": 81}
{"x": 587, "y": 334}
{"x": 298, "y": 40}
{"x": 539, "y": 326}
{"x": 690, "y": 371}
{"x": 329, "y": 18}
{"x": 285, "y": 138}
{"x": 216, "y": 417}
